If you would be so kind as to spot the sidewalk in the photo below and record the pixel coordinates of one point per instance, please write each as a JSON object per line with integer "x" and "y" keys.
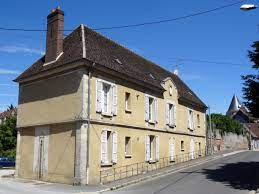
{"x": 62, "y": 188}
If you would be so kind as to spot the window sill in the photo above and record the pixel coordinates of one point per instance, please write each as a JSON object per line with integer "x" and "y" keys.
{"x": 128, "y": 156}
{"x": 106, "y": 165}
{"x": 199, "y": 126}
{"x": 172, "y": 125}
{"x": 128, "y": 111}
{"x": 172, "y": 161}
{"x": 152, "y": 161}
{"x": 107, "y": 115}
{"x": 152, "y": 122}
{"x": 182, "y": 150}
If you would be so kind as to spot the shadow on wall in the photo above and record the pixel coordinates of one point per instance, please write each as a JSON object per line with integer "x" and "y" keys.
{"x": 241, "y": 175}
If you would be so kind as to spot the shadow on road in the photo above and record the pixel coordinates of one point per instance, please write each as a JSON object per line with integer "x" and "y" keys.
{"x": 241, "y": 175}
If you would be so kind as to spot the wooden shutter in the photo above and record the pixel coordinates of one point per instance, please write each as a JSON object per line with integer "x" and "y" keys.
{"x": 147, "y": 147}
{"x": 99, "y": 94}
{"x": 192, "y": 149}
{"x": 171, "y": 149}
{"x": 174, "y": 119}
{"x": 189, "y": 118}
{"x": 156, "y": 110}
{"x": 157, "y": 148}
{"x": 167, "y": 114}
{"x": 104, "y": 148}
{"x": 114, "y": 100}
{"x": 114, "y": 147}
{"x": 146, "y": 108}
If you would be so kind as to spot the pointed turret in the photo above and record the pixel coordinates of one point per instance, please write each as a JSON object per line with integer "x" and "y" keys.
{"x": 234, "y": 106}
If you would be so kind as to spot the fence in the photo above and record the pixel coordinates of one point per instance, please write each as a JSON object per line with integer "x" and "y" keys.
{"x": 117, "y": 173}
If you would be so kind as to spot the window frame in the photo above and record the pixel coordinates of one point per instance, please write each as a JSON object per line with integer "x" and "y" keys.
{"x": 191, "y": 119}
{"x": 171, "y": 114}
{"x": 154, "y": 108}
{"x": 128, "y": 102}
{"x": 128, "y": 147}
{"x": 182, "y": 145}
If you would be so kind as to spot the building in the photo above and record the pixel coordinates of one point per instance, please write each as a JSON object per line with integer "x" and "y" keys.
{"x": 91, "y": 104}
{"x": 253, "y": 128}
{"x": 8, "y": 113}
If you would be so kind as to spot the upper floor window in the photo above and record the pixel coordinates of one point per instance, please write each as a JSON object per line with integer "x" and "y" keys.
{"x": 190, "y": 119}
{"x": 150, "y": 109}
{"x": 127, "y": 102}
{"x": 106, "y": 97}
{"x": 170, "y": 114}
{"x": 198, "y": 120}
{"x": 170, "y": 90}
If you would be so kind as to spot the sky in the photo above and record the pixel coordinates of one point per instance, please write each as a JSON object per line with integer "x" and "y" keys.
{"x": 221, "y": 36}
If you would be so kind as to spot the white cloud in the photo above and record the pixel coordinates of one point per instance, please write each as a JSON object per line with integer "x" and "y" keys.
{"x": 20, "y": 49}
{"x": 8, "y": 71}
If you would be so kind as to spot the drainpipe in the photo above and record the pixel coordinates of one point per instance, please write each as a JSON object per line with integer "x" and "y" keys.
{"x": 88, "y": 123}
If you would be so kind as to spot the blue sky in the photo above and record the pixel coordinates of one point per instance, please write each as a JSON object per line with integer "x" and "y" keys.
{"x": 225, "y": 35}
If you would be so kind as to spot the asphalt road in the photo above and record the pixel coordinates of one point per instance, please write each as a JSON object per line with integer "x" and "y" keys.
{"x": 237, "y": 173}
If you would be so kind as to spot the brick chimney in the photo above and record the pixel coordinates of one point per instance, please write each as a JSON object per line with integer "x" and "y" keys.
{"x": 55, "y": 30}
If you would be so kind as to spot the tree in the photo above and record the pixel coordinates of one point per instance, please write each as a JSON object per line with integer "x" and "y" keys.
{"x": 251, "y": 84}
{"x": 226, "y": 124}
{"x": 8, "y": 137}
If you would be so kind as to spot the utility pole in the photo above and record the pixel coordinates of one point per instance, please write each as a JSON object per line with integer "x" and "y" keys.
{"x": 210, "y": 132}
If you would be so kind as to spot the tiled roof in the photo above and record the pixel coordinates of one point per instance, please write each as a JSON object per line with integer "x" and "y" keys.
{"x": 8, "y": 113}
{"x": 254, "y": 128}
{"x": 109, "y": 54}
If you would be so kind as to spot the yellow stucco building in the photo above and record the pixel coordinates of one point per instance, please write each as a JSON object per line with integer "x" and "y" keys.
{"x": 90, "y": 104}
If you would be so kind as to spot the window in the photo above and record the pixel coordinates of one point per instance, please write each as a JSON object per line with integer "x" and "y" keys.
{"x": 199, "y": 149}
{"x": 170, "y": 90}
{"x": 198, "y": 120}
{"x": 127, "y": 147}
{"x": 152, "y": 148}
{"x": 108, "y": 147}
{"x": 150, "y": 109}
{"x": 127, "y": 102}
{"x": 170, "y": 115}
{"x": 190, "y": 120}
{"x": 182, "y": 145}
{"x": 106, "y": 98}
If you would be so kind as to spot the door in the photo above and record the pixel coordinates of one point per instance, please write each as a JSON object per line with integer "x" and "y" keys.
{"x": 40, "y": 161}
{"x": 191, "y": 149}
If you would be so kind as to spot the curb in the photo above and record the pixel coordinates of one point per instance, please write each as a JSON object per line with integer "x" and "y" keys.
{"x": 161, "y": 174}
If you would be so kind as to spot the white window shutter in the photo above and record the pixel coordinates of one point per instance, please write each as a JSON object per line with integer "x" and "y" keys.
{"x": 167, "y": 114}
{"x": 114, "y": 100}
{"x": 156, "y": 111}
{"x": 146, "y": 108}
{"x": 171, "y": 149}
{"x": 189, "y": 119}
{"x": 99, "y": 94}
{"x": 157, "y": 148}
{"x": 147, "y": 158}
{"x": 114, "y": 147}
{"x": 104, "y": 154}
{"x": 174, "y": 115}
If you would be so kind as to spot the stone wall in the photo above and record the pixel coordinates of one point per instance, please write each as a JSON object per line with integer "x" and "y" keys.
{"x": 228, "y": 141}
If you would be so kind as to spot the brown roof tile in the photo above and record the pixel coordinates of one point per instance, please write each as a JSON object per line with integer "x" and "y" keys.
{"x": 107, "y": 53}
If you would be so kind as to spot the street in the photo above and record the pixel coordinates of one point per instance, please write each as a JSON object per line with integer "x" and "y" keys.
{"x": 232, "y": 174}
{"x": 238, "y": 173}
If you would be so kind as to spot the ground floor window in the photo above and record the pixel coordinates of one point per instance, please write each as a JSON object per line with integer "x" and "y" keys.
{"x": 182, "y": 146}
{"x": 152, "y": 148}
{"x": 172, "y": 149}
{"x": 127, "y": 147}
{"x": 108, "y": 147}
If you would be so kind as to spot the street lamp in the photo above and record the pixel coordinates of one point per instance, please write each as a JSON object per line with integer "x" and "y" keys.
{"x": 247, "y": 7}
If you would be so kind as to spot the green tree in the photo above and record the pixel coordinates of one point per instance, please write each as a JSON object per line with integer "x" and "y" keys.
{"x": 8, "y": 137}
{"x": 251, "y": 82}
{"x": 226, "y": 124}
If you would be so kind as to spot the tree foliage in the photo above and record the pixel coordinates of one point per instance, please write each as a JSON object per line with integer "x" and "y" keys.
{"x": 8, "y": 137}
{"x": 251, "y": 82}
{"x": 226, "y": 124}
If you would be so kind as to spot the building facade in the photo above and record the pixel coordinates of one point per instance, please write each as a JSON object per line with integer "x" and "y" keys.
{"x": 90, "y": 104}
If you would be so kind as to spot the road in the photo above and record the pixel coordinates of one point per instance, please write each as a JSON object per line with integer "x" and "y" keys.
{"x": 237, "y": 173}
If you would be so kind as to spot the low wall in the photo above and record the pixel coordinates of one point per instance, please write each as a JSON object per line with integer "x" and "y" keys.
{"x": 228, "y": 141}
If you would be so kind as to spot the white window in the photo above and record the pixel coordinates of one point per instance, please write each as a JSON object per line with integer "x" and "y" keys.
{"x": 170, "y": 114}
{"x": 198, "y": 121}
{"x": 152, "y": 148}
{"x": 108, "y": 147}
{"x": 106, "y": 98}
{"x": 150, "y": 109}
{"x": 190, "y": 120}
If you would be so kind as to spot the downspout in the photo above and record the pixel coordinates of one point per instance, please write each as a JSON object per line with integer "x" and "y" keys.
{"x": 88, "y": 123}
